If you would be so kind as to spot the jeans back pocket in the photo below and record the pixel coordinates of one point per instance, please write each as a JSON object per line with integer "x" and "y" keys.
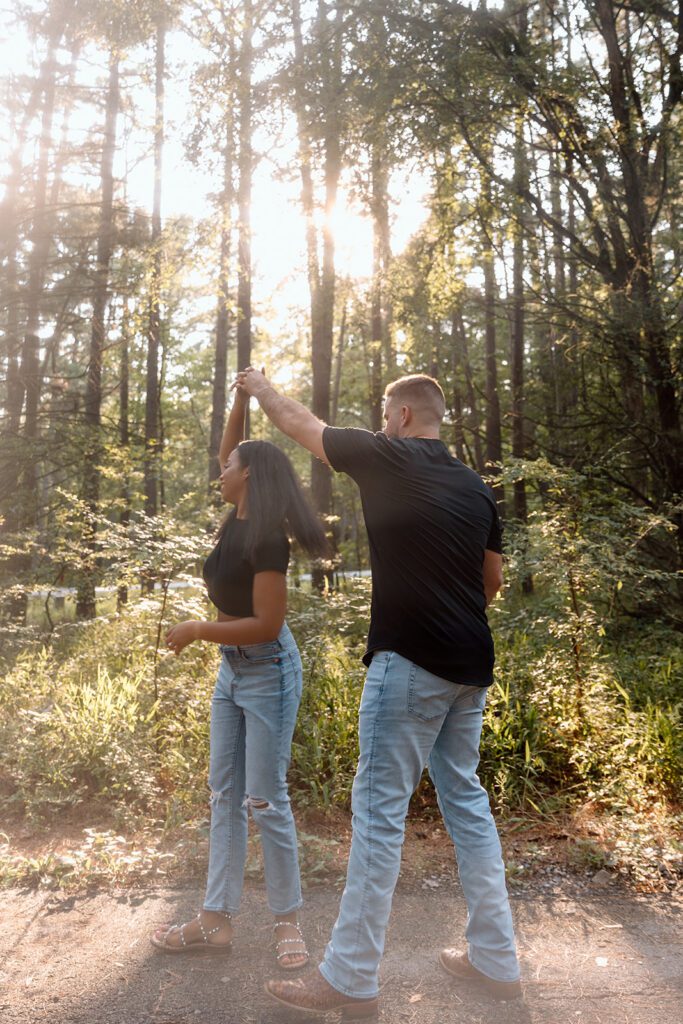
{"x": 429, "y": 696}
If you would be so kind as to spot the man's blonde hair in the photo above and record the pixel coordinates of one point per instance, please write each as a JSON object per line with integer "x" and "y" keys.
{"x": 422, "y": 393}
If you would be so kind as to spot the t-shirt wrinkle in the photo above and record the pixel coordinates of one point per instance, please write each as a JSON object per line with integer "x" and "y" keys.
{"x": 429, "y": 520}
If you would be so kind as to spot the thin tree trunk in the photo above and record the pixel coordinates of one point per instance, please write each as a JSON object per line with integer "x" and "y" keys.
{"x": 494, "y": 443}
{"x": 475, "y": 418}
{"x": 517, "y": 359}
{"x": 246, "y": 162}
{"x": 85, "y": 601}
{"x": 321, "y": 477}
{"x": 222, "y": 318}
{"x": 341, "y": 341}
{"x": 124, "y": 433}
{"x": 380, "y": 344}
{"x": 458, "y": 433}
{"x": 321, "y": 279}
{"x": 517, "y": 329}
{"x": 23, "y": 371}
{"x": 40, "y": 248}
{"x": 152, "y": 394}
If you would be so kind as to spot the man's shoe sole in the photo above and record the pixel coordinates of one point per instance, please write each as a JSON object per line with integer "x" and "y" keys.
{"x": 465, "y": 971}
{"x": 364, "y": 1009}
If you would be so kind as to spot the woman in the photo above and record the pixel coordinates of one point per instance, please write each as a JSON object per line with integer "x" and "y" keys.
{"x": 257, "y": 693}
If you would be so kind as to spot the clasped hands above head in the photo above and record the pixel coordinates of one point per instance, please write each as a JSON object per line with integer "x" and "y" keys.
{"x": 250, "y": 381}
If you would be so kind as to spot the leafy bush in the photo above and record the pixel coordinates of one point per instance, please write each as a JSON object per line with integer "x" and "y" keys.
{"x": 586, "y": 701}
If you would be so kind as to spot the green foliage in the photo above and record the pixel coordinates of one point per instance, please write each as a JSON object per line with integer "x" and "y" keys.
{"x": 325, "y": 746}
{"x": 330, "y": 633}
{"x": 586, "y": 702}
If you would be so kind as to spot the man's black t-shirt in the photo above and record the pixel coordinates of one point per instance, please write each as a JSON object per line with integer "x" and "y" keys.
{"x": 429, "y": 520}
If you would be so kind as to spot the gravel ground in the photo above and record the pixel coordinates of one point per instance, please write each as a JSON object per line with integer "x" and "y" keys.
{"x": 589, "y": 956}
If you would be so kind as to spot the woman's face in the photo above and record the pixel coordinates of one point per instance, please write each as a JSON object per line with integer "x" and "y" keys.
{"x": 233, "y": 478}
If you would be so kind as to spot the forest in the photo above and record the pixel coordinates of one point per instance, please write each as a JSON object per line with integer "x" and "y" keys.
{"x": 342, "y": 193}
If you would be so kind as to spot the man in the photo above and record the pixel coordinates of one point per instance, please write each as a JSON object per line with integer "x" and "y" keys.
{"x": 436, "y": 562}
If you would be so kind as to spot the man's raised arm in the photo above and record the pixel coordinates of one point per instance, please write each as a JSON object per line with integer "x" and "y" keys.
{"x": 291, "y": 417}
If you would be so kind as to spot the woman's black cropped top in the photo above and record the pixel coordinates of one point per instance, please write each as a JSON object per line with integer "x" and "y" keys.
{"x": 229, "y": 574}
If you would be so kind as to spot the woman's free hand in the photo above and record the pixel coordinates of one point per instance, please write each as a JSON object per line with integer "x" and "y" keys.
{"x": 180, "y": 635}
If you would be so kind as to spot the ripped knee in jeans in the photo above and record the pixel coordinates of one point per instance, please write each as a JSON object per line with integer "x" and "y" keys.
{"x": 255, "y": 803}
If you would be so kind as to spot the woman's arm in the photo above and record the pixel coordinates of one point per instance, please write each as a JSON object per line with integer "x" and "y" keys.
{"x": 234, "y": 428}
{"x": 269, "y": 599}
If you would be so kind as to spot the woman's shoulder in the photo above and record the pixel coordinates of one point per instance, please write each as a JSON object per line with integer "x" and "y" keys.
{"x": 272, "y": 551}
{"x": 275, "y": 537}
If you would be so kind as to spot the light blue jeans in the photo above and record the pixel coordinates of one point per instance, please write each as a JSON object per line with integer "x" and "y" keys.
{"x": 409, "y": 717}
{"x": 253, "y": 713}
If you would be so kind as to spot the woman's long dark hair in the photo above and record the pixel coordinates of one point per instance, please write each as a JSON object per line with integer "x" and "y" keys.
{"x": 276, "y": 500}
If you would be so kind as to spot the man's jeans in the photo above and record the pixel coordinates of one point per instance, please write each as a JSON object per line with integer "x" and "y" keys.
{"x": 409, "y": 717}
{"x": 253, "y": 712}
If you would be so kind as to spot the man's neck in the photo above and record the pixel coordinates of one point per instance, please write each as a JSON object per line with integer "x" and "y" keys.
{"x": 428, "y": 435}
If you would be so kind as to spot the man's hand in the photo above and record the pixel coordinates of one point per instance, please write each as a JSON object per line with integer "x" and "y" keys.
{"x": 180, "y": 635}
{"x": 252, "y": 381}
{"x": 289, "y": 416}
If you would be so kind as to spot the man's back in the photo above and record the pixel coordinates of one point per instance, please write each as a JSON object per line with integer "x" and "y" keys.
{"x": 429, "y": 519}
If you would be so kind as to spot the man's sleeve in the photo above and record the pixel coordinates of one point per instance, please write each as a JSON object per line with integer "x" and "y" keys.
{"x": 495, "y": 538}
{"x": 350, "y": 450}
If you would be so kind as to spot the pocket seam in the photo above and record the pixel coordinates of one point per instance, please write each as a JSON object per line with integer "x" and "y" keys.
{"x": 412, "y": 708}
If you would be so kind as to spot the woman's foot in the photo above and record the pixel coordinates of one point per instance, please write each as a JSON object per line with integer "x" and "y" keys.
{"x": 210, "y": 931}
{"x": 290, "y": 947}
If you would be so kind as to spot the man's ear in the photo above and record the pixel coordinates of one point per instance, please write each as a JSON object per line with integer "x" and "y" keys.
{"x": 406, "y": 415}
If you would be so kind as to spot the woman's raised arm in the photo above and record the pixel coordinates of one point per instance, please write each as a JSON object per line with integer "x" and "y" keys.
{"x": 234, "y": 428}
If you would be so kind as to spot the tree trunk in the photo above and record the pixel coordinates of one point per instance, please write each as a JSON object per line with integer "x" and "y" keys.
{"x": 475, "y": 419}
{"x": 458, "y": 432}
{"x": 124, "y": 433}
{"x": 321, "y": 347}
{"x": 222, "y": 319}
{"x": 153, "y": 443}
{"x": 321, "y": 279}
{"x": 246, "y": 161}
{"x": 494, "y": 444}
{"x": 517, "y": 329}
{"x": 517, "y": 332}
{"x": 40, "y": 248}
{"x": 341, "y": 341}
{"x": 85, "y": 601}
{"x": 380, "y": 334}
{"x": 21, "y": 449}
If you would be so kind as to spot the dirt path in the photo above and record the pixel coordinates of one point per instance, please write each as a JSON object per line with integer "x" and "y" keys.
{"x": 588, "y": 958}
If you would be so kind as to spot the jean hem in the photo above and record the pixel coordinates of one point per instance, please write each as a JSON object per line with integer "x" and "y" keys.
{"x": 488, "y": 975}
{"x": 221, "y": 910}
{"x": 325, "y": 971}
{"x": 288, "y": 910}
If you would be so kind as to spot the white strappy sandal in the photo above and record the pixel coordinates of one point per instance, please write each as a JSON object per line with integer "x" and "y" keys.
{"x": 281, "y": 953}
{"x": 203, "y": 945}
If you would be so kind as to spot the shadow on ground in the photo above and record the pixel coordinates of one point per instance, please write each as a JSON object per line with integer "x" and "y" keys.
{"x": 590, "y": 959}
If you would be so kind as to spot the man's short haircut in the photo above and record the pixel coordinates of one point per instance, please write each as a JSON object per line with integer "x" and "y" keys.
{"x": 422, "y": 393}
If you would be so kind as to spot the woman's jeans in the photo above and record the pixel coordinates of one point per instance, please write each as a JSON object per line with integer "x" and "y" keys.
{"x": 409, "y": 717}
{"x": 253, "y": 712}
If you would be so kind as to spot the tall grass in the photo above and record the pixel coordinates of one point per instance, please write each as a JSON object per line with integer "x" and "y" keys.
{"x": 96, "y": 716}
